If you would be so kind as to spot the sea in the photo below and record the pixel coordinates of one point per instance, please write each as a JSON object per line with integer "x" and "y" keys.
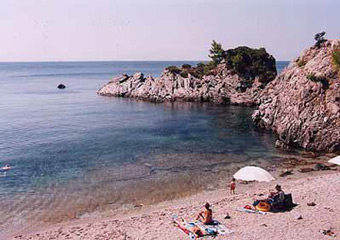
{"x": 75, "y": 154}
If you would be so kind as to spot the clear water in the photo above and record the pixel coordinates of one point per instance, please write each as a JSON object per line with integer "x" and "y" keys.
{"x": 74, "y": 153}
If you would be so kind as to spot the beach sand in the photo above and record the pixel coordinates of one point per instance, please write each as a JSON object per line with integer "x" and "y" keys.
{"x": 154, "y": 222}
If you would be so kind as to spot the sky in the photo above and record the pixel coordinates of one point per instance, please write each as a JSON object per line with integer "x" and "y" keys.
{"x": 87, "y": 30}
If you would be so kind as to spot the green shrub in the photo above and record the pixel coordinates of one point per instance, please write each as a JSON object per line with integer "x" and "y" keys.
{"x": 313, "y": 77}
{"x": 336, "y": 59}
{"x": 248, "y": 63}
{"x": 251, "y": 63}
{"x": 322, "y": 79}
{"x": 301, "y": 62}
{"x": 174, "y": 69}
{"x": 202, "y": 69}
{"x": 184, "y": 74}
{"x": 198, "y": 71}
{"x": 186, "y": 66}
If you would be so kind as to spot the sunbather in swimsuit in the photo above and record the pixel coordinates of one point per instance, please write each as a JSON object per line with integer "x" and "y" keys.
{"x": 206, "y": 215}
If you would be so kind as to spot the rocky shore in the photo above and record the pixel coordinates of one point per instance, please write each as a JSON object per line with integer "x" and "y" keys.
{"x": 222, "y": 88}
{"x": 237, "y": 81}
{"x": 302, "y": 105}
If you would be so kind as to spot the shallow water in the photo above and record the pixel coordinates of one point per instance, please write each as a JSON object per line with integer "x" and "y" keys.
{"x": 74, "y": 153}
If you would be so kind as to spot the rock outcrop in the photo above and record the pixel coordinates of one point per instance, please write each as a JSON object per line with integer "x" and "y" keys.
{"x": 302, "y": 105}
{"x": 235, "y": 76}
{"x": 223, "y": 87}
{"x": 61, "y": 86}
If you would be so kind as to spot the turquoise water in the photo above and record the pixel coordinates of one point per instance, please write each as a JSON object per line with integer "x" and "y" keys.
{"x": 75, "y": 151}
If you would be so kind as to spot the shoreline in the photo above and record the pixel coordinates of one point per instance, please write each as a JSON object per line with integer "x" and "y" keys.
{"x": 153, "y": 221}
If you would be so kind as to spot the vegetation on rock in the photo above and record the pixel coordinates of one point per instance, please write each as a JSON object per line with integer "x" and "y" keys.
{"x": 336, "y": 58}
{"x": 186, "y": 66}
{"x": 251, "y": 63}
{"x": 248, "y": 63}
{"x": 174, "y": 69}
{"x": 199, "y": 71}
{"x": 217, "y": 53}
{"x": 322, "y": 79}
{"x": 184, "y": 74}
{"x": 319, "y": 38}
{"x": 301, "y": 62}
{"x": 202, "y": 69}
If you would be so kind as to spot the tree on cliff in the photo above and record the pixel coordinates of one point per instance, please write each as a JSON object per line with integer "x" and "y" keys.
{"x": 319, "y": 38}
{"x": 250, "y": 63}
{"x": 217, "y": 53}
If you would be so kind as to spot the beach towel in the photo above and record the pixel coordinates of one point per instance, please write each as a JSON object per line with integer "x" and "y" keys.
{"x": 216, "y": 227}
{"x": 250, "y": 211}
{"x": 199, "y": 230}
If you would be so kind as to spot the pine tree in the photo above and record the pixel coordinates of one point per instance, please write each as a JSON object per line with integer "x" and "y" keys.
{"x": 217, "y": 53}
{"x": 319, "y": 38}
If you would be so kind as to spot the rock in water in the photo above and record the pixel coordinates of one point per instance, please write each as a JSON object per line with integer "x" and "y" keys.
{"x": 224, "y": 84}
{"x": 302, "y": 105}
{"x": 61, "y": 86}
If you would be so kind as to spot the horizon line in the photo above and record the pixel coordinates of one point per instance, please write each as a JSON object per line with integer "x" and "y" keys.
{"x": 58, "y": 61}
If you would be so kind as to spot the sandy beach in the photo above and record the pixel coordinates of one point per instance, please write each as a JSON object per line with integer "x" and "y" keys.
{"x": 154, "y": 222}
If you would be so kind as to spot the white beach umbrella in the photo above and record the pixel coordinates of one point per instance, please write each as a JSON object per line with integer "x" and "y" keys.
{"x": 335, "y": 160}
{"x": 250, "y": 173}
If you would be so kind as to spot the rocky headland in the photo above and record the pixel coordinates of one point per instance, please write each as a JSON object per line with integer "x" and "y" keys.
{"x": 236, "y": 76}
{"x": 302, "y": 105}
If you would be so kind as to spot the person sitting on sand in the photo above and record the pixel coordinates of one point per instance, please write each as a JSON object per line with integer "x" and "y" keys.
{"x": 276, "y": 197}
{"x": 232, "y": 186}
{"x": 206, "y": 215}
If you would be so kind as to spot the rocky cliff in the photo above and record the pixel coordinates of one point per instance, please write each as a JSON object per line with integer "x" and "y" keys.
{"x": 226, "y": 83}
{"x": 302, "y": 105}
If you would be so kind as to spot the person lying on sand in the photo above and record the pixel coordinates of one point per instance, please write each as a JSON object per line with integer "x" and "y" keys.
{"x": 197, "y": 232}
{"x": 205, "y": 216}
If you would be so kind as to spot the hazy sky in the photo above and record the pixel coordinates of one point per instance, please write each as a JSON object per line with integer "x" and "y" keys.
{"x": 53, "y": 30}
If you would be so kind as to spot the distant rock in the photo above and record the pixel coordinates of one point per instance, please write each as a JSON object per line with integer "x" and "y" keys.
{"x": 302, "y": 105}
{"x": 61, "y": 86}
